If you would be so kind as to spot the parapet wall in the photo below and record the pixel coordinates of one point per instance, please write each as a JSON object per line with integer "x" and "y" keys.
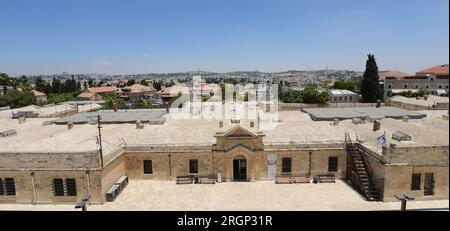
{"x": 431, "y": 155}
{"x": 49, "y": 160}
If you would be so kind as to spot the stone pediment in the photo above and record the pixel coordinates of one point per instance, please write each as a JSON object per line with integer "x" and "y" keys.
{"x": 240, "y": 148}
{"x": 239, "y": 137}
{"x": 239, "y": 132}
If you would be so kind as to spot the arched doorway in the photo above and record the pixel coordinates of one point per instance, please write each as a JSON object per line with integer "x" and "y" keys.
{"x": 240, "y": 168}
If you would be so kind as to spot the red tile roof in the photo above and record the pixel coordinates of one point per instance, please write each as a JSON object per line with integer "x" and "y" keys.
{"x": 38, "y": 93}
{"x": 436, "y": 70}
{"x": 86, "y": 95}
{"x": 102, "y": 89}
{"x": 138, "y": 88}
{"x": 395, "y": 74}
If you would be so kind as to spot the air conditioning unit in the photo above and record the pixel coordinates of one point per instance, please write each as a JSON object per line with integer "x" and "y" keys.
{"x": 9, "y": 132}
{"x": 112, "y": 193}
{"x": 400, "y": 136}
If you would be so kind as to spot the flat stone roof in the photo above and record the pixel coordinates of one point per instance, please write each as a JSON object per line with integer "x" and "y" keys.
{"x": 111, "y": 117}
{"x": 296, "y": 128}
{"x": 329, "y": 114}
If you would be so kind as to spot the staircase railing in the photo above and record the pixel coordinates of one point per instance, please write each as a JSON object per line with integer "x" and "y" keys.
{"x": 371, "y": 176}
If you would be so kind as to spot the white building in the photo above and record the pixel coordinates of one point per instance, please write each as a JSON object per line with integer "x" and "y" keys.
{"x": 343, "y": 96}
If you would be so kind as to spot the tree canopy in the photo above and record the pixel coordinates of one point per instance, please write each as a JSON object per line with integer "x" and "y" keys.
{"x": 370, "y": 86}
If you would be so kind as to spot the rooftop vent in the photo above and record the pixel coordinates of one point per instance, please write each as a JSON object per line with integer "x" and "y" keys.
{"x": 357, "y": 121}
{"x": 277, "y": 120}
{"x": 139, "y": 125}
{"x": 400, "y": 136}
{"x": 22, "y": 119}
{"x": 45, "y": 123}
{"x": 335, "y": 122}
{"x": 405, "y": 118}
{"x": 9, "y": 132}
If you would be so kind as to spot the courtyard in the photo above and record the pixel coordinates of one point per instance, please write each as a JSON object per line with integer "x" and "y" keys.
{"x": 145, "y": 195}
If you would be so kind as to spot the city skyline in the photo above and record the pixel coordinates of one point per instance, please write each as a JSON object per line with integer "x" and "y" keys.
{"x": 113, "y": 37}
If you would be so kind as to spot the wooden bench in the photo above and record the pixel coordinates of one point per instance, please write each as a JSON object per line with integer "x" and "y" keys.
{"x": 283, "y": 180}
{"x": 206, "y": 180}
{"x": 184, "y": 179}
{"x": 325, "y": 178}
{"x": 300, "y": 179}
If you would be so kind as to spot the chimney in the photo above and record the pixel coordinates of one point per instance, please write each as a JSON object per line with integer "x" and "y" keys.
{"x": 22, "y": 119}
{"x": 336, "y": 122}
{"x": 376, "y": 125}
{"x": 114, "y": 106}
{"x": 167, "y": 107}
{"x": 405, "y": 118}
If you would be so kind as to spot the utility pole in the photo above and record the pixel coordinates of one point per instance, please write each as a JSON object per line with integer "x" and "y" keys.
{"x": 99, "y": 126}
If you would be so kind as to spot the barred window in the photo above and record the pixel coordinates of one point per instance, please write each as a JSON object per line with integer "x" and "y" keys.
{"x": 148, "y": 168}
{"x": 193, "y": 166}
{"x": 415, "y": 181}
{"x": 71, "y": 187}
{"x": 10, "y": 186}
{"x": 2, "y": 192}
{"x": 58, "y": 187}
{"x": 332, "y": 164}
{"x": 286, "y": 165}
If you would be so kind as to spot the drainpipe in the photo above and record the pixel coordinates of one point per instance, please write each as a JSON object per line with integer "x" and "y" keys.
{"x": 309, "y": 169}
{"x": 33, "y": 185}
{"x": 170, "y": 168}
{"x": 88, "y": 182}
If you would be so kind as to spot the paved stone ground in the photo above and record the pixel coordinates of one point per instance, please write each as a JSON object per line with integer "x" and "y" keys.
{"x": 260, "y": 196}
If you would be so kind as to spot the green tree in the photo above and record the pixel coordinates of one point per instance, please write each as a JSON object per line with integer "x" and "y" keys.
{"x": 4, "y": 80}
{"x": 48, "y": 89}
{"x": 131, "y": 82}
{"x": 40, "y": 84}
{"x": 15, "y": 99}
{"x": 157, "y": 85}
{"x": 56, "y": 85}
{"x": 370, "y": 87}
{"x": 143, "y": 82}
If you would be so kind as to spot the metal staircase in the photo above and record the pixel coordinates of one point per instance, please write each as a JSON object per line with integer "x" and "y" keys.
{"x": 361, "y": 175}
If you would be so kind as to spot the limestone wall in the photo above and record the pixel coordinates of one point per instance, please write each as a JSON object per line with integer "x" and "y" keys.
{"x": 417, "y": 155}
{"x": 398, "y": 180}
{"x": 47, "y": 161}
{"x": 44, "y": 187}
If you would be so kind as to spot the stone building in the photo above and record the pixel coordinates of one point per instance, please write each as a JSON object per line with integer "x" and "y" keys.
{"x": 44, "y": 163}
{"x": 343, "y": 96}
{"x": 429, "y": 80}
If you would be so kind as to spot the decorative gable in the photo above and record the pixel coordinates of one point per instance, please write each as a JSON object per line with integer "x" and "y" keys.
{"x": 239, "y": 132}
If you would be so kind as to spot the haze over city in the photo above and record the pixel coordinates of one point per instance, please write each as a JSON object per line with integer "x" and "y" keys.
{"x": 117, "y": 37}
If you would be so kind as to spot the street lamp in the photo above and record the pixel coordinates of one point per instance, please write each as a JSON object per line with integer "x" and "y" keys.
{"x": 82, "y": 204}
{"x": 404, "y": 198}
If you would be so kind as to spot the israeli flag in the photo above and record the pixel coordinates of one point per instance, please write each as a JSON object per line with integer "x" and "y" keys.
{"x": 98, "y": 144}
{"x": 382, "y": 139}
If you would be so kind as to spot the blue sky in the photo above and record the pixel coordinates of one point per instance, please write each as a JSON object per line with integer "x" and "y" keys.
{"x": 118, "y": 36}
